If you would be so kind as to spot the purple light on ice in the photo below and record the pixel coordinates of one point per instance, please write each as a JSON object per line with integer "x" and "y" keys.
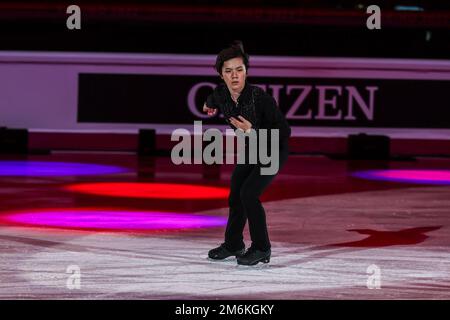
{"x": 49, "y": 168}
{"x": 105, "y": 219}
{"x": 408, "y": 176}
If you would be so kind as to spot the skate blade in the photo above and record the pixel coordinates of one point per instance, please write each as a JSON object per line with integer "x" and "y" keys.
{"x": 262, "y": 264}
{"x": 229, "y": 259}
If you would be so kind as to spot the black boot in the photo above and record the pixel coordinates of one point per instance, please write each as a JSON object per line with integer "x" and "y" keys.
{"x": 253, "y": 256}
{"x": 221, "y": 253}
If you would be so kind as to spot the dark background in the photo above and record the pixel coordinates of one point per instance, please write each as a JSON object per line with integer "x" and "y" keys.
{"x": 286, "y": 28}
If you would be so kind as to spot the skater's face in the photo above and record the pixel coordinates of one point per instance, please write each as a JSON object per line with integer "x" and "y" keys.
{"x": 234, "y": 74}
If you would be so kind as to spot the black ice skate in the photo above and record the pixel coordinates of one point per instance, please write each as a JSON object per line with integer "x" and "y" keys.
{"x": 221, "y": 253}
{"x": 254, "y": 256}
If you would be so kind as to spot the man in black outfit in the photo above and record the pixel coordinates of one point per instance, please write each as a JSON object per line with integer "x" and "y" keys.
{"x": 246, "y": 107}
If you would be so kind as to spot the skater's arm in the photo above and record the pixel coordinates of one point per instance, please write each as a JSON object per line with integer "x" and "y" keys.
{"x": 212, "y": 104}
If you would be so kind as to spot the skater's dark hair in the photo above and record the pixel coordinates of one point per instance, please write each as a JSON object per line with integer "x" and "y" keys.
{"x": 235, "y": 50}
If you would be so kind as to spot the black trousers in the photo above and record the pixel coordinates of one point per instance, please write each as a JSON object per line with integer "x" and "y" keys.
{"x": 247, "y": 185}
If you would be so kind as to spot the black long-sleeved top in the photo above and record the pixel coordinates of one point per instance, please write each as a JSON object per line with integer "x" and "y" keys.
{"x": 255, "y": 105}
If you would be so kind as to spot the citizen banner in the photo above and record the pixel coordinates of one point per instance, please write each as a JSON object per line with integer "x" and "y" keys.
{"x": 333, "y": 102}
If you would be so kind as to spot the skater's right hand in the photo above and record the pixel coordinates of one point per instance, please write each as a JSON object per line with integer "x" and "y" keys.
{"x": 208, "y": 110}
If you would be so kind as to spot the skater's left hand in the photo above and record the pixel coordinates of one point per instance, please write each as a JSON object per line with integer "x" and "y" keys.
{"x": 241, "y": 123}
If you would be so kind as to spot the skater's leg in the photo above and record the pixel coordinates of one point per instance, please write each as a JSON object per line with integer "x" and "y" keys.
{"x": 250, "y": 192}
{"x": 237, "y": 217}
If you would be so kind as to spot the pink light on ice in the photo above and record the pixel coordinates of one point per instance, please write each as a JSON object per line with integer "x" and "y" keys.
{"x": 406, "y": 175}
{"x": 107, "y": 219}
